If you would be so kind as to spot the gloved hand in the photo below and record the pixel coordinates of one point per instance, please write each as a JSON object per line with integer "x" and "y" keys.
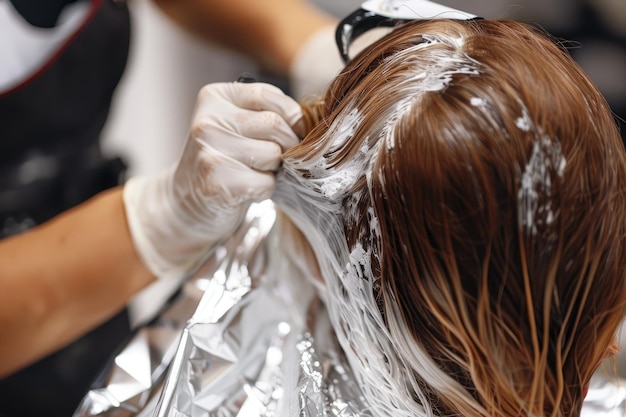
{"x": 237, "y": 136}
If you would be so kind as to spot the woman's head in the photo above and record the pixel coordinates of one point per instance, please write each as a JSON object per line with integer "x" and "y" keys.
{"x": 463, "y": 189}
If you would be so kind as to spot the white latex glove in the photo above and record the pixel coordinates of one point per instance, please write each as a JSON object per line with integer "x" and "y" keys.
{"x": 237, "y": 136}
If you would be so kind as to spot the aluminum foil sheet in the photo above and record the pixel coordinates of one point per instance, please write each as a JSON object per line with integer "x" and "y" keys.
{"x": 606, "y": 397}
{"x": 247, "y": 337}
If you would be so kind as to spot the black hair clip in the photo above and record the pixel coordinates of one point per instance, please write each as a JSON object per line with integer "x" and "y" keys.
{"x": 246, "y": 77}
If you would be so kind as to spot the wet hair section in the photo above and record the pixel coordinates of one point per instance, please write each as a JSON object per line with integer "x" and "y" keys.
{"x": 462, "y": 188}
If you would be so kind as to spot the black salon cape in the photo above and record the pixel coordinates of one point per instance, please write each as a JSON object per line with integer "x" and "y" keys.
{"x": 59, "y": 112}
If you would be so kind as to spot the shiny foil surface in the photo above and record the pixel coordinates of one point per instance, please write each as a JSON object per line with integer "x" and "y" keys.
{"x": 246, "y": 336}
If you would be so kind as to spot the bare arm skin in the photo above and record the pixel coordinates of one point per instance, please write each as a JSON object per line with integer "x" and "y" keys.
{"x": 65, "y": 277}
{"x": 269, "y": 31}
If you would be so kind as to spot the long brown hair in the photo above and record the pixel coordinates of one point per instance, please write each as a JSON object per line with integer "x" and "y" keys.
{"x": 497, "y": 231}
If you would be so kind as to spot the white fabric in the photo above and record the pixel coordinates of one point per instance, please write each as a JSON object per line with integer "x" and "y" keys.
{"x": 24, "y": 49}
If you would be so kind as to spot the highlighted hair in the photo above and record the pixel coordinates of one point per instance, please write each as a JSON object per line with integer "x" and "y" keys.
{"x": 463, "y": 189}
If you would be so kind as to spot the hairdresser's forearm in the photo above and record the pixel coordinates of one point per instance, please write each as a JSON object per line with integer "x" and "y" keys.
{"x": 271, "y": 32}
{"x": 65, "y": 277}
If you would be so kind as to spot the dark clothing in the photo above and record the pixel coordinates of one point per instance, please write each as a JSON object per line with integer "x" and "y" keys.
{"x": 65, "y": 106}
{"x": 55, "y": 386}
{"x": 52, "y": 122}
{"x": 50, "y": 161}
{"x": 41, "y": 14}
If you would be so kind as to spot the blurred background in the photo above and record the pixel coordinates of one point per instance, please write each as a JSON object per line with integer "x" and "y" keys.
{"x": 167, "y": 66}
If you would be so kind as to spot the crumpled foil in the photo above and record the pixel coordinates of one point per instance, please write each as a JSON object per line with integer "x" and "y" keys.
{"x": 246, "y": 337}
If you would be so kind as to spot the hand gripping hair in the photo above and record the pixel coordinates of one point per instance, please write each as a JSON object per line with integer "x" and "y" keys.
{"x": 462, "y": 187}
